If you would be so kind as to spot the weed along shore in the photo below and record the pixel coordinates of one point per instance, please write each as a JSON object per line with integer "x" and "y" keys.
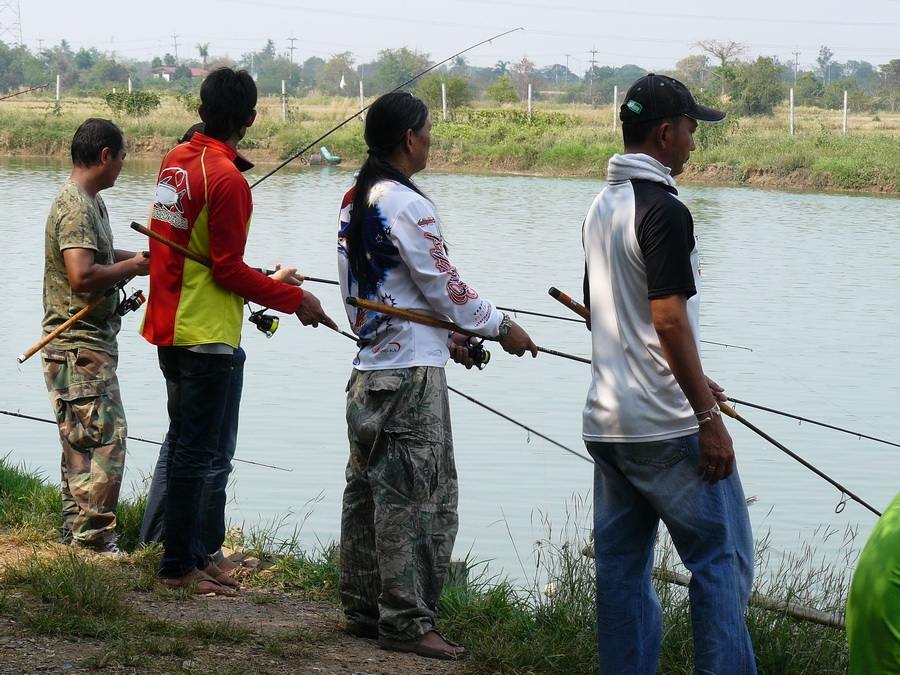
{"x": 64, "y": 609}
{"x": 574, "y": 140}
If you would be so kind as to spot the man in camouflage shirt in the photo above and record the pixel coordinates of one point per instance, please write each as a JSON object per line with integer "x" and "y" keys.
{"x": 80, "y": 364}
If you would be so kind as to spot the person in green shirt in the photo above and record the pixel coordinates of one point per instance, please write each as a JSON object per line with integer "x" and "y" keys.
{"x": 80, "y": 364}
{"x": 873, "y": 606}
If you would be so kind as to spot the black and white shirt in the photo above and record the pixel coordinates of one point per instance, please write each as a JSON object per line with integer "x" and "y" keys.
{"x": 639, "y": 245}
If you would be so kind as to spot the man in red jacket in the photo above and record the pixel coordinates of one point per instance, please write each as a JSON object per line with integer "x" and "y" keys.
{"x": 194, "y": 313}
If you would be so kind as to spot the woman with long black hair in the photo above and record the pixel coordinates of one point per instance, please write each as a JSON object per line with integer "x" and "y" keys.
{"x": 399, "y": 517}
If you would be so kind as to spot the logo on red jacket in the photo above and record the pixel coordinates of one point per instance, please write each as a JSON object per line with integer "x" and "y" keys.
{"x": 171, "y": 189}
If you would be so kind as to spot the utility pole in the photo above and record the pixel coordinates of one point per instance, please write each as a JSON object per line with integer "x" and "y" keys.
{"x": 175, "y": 47}
{"x": 796, "y": 64}
{"x": 10, "y": 22}
{"x": 291, "y": 49}
{"x": 593, "y": 53}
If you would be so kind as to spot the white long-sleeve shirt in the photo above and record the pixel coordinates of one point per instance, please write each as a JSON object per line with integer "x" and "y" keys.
{"x": 408, "y": 267}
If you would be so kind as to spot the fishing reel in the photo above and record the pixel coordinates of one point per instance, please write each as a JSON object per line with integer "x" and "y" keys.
{"x": 130, "y": 303}
{"x": 265, "y": 323}
{"x": 478, "y": 353}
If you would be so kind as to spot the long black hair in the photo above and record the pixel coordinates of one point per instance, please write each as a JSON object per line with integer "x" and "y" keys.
{"x": 387, "y": 122}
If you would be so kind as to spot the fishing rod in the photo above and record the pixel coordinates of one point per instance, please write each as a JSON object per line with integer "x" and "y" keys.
{"x": 810, "y": 421}
{"x": 585, "y": 314}
{"x": 206, "y": 262}
{"x": 360, "y": 112}
{"x": 582, "y": 311}
{"x": 25, "y": 91}
{"x": 514, "y": 311}
{"x": 728, "y": 410}
{"x": 519, "y": 424}
{"x": 138, "y": 438}
{"x": 126, "y": 305}
{"x": 426, "y": 320}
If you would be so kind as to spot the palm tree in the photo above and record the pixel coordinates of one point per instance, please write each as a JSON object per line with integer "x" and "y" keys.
{"x": 203, "y": 48}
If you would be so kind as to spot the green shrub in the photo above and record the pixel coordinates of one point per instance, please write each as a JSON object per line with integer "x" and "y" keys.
{"x": 132, "y": 103}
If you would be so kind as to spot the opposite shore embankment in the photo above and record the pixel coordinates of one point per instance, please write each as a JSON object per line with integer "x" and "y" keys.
{"x": 747, "y": 151}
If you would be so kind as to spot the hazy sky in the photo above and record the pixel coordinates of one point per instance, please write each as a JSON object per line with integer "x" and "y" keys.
{"x": 651, "y": 33}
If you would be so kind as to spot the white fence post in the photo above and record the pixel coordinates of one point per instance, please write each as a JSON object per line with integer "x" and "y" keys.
{"x": 529, "y": 100}
{"x": 791, "y": 114}
{"x": 845, "y": 111}
{"x": 615, "y": 108}
{"x": 129, "y": 85}
{"x": 283, "y": 103}
{"x": 444, "y": 99}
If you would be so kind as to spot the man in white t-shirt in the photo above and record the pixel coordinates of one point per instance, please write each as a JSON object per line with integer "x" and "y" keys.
{"x": 652, "y": 420}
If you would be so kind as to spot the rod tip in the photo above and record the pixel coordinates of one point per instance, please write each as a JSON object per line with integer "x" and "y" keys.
{"x": 553, "y": 292}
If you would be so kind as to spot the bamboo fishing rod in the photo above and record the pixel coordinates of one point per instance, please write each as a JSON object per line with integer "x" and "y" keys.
{"x": 25, "y": 91}
{"x": 71, "y": 321}
{"x": 139, "y": 439}
{"x": 426, "y": 320}
{"x": 728, "y": 410}
{"x": 585, "y": 314}
{"x": 206, "y": 262}
{"x": 362, "y": 110}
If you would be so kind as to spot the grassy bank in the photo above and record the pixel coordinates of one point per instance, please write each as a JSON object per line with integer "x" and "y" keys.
{"x": 570, "y": 141}
{"x": 546, "y": 626}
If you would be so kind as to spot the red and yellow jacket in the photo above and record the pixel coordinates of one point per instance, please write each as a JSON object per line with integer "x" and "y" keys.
{"x": 203, "y": 203}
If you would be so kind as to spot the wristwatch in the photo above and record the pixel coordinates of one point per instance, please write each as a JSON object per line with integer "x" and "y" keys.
{"x": 505, "y": 326}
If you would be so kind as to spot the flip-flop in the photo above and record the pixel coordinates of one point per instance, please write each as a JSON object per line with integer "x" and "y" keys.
{"x": 203, "y": 584}
{"x": 220, "y": 577}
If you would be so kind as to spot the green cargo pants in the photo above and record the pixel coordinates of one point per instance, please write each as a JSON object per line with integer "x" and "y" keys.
{"x": 399, "y": 517}
{"x": 84, "y": 394}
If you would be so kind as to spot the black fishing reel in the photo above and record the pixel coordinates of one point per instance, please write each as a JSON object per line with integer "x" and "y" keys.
{"x": 265, "y": 323}
{"x": 130, "y": 303}
{"x": 478, "y": 353}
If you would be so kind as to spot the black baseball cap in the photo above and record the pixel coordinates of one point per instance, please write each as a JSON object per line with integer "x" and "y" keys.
{"x": 241, "y": 162}
{"x": 655, "y": 97}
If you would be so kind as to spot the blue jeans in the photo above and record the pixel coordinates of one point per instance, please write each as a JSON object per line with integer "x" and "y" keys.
{"x": 197, "y": 388}
{"x": 212, "y": 524}
{"x": 635, "y": 486}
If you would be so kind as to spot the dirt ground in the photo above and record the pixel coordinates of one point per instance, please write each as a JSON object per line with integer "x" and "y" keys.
{"x": 284, "y": 633}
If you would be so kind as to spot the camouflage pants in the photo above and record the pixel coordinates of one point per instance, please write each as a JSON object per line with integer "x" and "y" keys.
{"x": 399, "y": 517}
{"x": 84, "y": 395}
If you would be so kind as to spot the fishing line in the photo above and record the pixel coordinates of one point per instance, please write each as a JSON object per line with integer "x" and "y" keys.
{"x": 137, "y": 438}
{"x": 360, "y": 112}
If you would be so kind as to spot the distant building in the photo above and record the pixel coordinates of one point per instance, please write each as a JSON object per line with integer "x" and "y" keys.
{"x": 166, "y": 73}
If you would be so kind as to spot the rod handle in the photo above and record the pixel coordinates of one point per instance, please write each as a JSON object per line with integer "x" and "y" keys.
{"x": 570, "y": 302}
{"x": 728, "y": 410}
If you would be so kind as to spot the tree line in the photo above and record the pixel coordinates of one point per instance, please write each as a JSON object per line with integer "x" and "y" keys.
{"x": 752, "y": 86}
